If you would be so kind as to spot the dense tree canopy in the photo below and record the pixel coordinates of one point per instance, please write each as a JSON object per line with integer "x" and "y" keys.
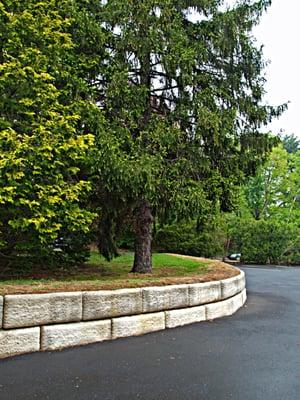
{"x": 154, "y": 108}
{"x": 275, "y": 190}
{"x": 41, "y": 142}
{"x": 180, "y": 86}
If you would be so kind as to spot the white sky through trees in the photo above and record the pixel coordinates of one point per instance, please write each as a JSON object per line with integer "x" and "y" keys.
{"x": 279, "y": 33}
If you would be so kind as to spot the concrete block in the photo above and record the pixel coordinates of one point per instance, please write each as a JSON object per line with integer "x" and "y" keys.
{"x": 112, "y": 303}
{"x": 41, "y": 309}
{"x": 67, "y": 335}
{"x": 185, "y": 316}
{"x": 137, "y": 325}
{"x": 1, "y": 311}
{"x": 232, "y": 286}
{"x": 165, "y": 297}
{"x": 203, "y": 293}
{"x": 244, "y": 296}
{"x": 224, "y": 308}
{"x": 19, "y": 341}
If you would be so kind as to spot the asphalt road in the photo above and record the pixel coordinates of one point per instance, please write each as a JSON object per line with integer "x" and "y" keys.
{"x": 253, "y": 355}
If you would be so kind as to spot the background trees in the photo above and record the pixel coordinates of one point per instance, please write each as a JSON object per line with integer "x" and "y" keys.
{"x": 266, "y": 190}
{"x": 274, "y": 191}
{"x": 265, "y": 226}
{"x": 291, "y": 143}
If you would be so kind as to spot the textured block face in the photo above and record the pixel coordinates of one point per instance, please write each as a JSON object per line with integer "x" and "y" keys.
{"x": 165, "y": 298}
{"x": 68, "y": 335}
{"x": 41, "y": 309}
{"x": 137, "y": 325}
{"x": 202, "y": 293}
{"x": 232, "y": 286}
{"x": 19, "y": 341}
{"x": 1, "y": 310}
{"x": 185, "y": 316}
{"x": 237, "y": 302}
{"x": 224, "y": 308}
{"x": 244, "y": 296}
{"x": 111, "y": 303}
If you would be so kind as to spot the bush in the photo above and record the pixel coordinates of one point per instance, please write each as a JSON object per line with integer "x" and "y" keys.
{"x": 70, "y": 249}
{"x": 126, "y": 240}
{"x": 184, "y": 239}
{"x": 267, "y": 241}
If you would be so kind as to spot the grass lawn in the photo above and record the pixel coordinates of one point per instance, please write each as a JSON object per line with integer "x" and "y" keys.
{"x": 98, "y": 274}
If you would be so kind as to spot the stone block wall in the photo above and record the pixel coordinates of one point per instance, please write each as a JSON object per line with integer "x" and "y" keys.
{"x": 1, "y": 311}
{"x": 42, "y": 309}
{"x": 165, "y": 297}
{"x": 112, "y": 303}
{"x": 41, "y": 322}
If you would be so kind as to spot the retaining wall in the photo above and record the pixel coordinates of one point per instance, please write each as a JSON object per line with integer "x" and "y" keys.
{"x": 40, "y": 322}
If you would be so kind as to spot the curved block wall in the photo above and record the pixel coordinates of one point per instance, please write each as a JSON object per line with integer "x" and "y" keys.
{"x": 40, "y": 322}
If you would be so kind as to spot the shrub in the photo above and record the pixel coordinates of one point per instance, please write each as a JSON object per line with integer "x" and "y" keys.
{"x": 266, "y": 241}
{"x": 183, "y": 238}
{"x": 70, "y": 249}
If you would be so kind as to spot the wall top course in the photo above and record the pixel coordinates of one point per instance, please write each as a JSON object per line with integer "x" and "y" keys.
{"x": 205, "y": 284}
{"x": 166, "y": 287}
{"x": 241, "y": 275}
{"x": 34, "y": 310}
{"x": 111, "y": 303}
{"x": 112, "y": 291}
{"x": 42, "y": 296}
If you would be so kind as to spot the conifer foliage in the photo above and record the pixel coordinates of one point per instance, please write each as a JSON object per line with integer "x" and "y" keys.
{"x": 180, "y": 86}
{"x": 154, "y": 105}
{"x": 41, "y": 142}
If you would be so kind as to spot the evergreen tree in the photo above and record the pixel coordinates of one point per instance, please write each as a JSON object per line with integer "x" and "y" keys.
{"x": 180, "y": 86}
{"x": 42, "y": 140}
{"x": 291, "y": 143}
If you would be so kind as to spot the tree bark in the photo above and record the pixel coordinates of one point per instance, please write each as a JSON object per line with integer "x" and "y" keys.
{"x": 143, "y": 240}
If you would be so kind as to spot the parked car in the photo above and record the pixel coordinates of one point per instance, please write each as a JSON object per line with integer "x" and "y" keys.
{"x": 234, "y": 257}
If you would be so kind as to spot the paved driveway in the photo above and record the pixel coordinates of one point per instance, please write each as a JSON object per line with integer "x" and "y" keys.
{"x": 253, "y": 355}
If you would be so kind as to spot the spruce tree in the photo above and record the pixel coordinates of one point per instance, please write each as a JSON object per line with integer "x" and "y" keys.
{"x": 172, "y": 91}
{"x": 180, "y": 87}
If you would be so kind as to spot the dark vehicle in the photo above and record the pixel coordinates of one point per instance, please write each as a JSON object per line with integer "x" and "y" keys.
{"x": 234, "y": 257}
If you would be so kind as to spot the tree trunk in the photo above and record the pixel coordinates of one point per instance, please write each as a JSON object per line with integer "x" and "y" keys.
{"x": 142, "y": 255}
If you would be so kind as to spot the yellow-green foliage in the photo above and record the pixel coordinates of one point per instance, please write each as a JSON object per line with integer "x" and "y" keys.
{"x": 41, "y": 144}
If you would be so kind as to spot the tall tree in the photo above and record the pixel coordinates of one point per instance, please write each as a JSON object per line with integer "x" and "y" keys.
{"x": 291, "y": 143}
{"x": 180, "y": 85}
{"x": 42, "y": 140}
{"x": 266, "y": 191}
{"x": 275, "y": 190}
{"x": 291, "y": 195}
